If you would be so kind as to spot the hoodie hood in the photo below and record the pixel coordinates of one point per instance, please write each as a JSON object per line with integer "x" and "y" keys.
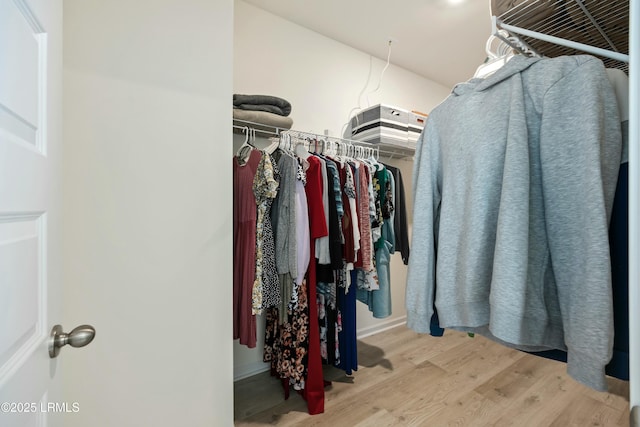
{"x": 515, "y": 65}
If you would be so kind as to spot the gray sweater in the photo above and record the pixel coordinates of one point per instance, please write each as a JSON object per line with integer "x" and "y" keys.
{"x": 513, "y": 186}
{"x": 283, "y": 218}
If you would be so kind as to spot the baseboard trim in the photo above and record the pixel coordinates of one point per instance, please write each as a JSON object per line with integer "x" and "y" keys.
{"x": 255, "y": 368}
{"x": 381, "y": 327}
{"x": 250, "y": 370}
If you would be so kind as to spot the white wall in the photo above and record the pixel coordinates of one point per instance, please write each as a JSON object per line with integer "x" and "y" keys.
{"x": 322, "y": 79}
{"x": 319, "y": 76}
{"x": 147, "y": 141}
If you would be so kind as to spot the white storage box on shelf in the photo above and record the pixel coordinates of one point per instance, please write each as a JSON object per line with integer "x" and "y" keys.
{"x": 394, "y": 130}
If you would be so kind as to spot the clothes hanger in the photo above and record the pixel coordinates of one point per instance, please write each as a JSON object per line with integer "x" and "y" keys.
{"x": 351, "y": 151}
{"x": 290, "y": 145}
{"x": 372, "y": 158}
{"x": 245, "y": 130}
{"x": 332, "y": 151}
{"x": 347, "y": 150}
{"x": 495, "y": 59}
{"x": 301, "y": 149}
{"x": 322, "y": 146}
{"x": 327, "y": 148}
{"x": 337, "y": 150}
{"x": 275, "y": 143}
{"x": 333, "y": 148}
{"x": 245, "y": 149}
{"x": 285, "y": 143}
{"x": 314, "y": 142}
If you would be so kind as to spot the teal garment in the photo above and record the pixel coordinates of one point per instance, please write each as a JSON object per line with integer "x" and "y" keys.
{"x": 379, "y": 301}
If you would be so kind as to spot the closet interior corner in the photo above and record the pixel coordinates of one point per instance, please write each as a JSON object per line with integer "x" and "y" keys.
{"x": 421, "y": 249}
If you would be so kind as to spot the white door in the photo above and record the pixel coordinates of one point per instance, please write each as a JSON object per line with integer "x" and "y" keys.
{"x": 133, "y": 229}
{"x": 147, "y": 211}
{"x": 30, "y": 137}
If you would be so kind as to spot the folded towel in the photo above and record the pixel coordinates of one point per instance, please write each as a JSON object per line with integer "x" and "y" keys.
{"x": 271, "y": 104}
{"x": 263, "y": 117}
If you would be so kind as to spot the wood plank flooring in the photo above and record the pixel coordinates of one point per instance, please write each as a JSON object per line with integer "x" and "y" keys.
{"x": 406, "y": 379}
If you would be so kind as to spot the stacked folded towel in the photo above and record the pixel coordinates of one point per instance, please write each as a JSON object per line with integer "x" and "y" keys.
{"x": 271, "y": 104}
{"x": 264, "y": 109}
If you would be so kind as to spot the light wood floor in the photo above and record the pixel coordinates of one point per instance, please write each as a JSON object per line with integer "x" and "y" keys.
{"x": 418, "y": 380}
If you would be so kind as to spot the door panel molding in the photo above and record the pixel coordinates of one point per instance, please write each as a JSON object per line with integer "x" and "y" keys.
{"x": 29, "y": 16}
{"x": 23, "y": 294}
{"x": 23, "y": 79}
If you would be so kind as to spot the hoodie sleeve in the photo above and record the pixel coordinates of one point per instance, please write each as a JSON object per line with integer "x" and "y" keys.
{"x": 421, "y": 275}
{"x": 580, "y": 146}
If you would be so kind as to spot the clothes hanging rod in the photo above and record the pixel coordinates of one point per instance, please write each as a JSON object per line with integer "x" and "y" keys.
{"x": 243, "y": 128}
{"x": 564, "y": 42}
{"x": 274, "y": 130}
{"x": 331, "y": 138}
{"x": 271, "y": 130}
{"x": 384, "y": 150}
{"x": 366, "y": 148}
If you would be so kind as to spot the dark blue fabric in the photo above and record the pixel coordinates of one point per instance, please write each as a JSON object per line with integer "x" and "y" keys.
{"x": 619, "y": 243}
{"x": 347, "y": 337}
{"x": 434, "y": 327}
{"x": 552, "y": 354}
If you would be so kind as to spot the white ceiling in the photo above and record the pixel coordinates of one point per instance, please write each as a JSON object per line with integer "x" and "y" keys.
{"x": 437, "y": 39}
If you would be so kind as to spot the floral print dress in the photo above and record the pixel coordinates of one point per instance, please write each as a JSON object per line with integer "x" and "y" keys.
{"x": 287, "y": 344}
{"x": 266, "y": 287}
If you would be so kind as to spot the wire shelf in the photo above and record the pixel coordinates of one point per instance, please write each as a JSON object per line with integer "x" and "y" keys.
{"x": 603, "y": 25}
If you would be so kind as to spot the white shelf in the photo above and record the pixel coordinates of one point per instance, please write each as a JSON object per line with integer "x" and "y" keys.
{"x": 569, "y": 27}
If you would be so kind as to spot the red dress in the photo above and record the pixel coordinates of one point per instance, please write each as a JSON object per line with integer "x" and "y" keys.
{"x": 244, "y": 248}
{"x": 314, "y": 389}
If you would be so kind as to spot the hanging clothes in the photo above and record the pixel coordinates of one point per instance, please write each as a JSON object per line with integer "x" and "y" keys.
{"x": 271, "y": 283}
{"x": 379, "y": 301}
{"x": 347, "y": 336}
{"x": 301, "y": 205}
{"x": 619, "y": 238}
{"x": 284, "y": 220}
{"x": 618, "y": 366}
{"x": 266, "y": 288}
{"x": 508, "y": 197}
{"x": 314, "y": 390}
{"x": 286, "y": 332}
{"x": 322, "y": 243}
{"x": 283, "y": 216}
{"x": 365, "y": 253}
{"x": 350, "y": 231}
{"x": 244, "y": 244}
{"x": 400, "y": 225}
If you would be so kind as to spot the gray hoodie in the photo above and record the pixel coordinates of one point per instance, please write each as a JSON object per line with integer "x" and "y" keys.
{"x": 513, "y": 185}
